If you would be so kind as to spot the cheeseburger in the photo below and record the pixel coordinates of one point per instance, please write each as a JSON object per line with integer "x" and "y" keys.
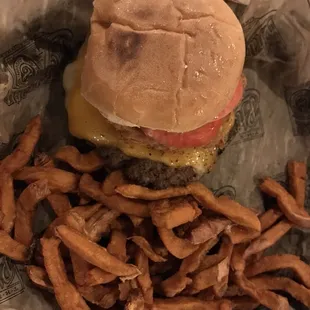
{"x": 155, "y": 85}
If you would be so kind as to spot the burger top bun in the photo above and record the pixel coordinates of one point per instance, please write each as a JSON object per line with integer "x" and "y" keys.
{"x": 171, "y": 65}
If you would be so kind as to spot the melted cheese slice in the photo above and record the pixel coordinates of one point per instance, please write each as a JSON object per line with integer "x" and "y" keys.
{"x": 86, "y": 122}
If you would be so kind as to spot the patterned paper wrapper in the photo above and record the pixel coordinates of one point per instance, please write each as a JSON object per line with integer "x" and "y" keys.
{"x": 38, "y": 38}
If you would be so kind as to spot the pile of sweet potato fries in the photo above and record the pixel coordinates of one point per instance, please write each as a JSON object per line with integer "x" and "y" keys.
{"x": 123, "y": 246}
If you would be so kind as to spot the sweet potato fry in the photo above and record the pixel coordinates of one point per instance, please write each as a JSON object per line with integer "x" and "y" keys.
{"x": 92, "y": 188}
{"x": 211, "y": 276}
{"x": 83, "y": 211}
{"x": 144, "y": 279}
{"x": 237, "y": 258}
{"x": 87, "y": 211}
{"x": 175, "y": 285}
{"x": 60, "y": 203}
{"x": 268, "y": 218}
{"x": 143, "y": 244}
{"x": 239, "y": 234}
{"x": 268, "y": 238}
{"x": 172, "y": 213}
{"x": 192, "y": 262}
{"x": 39, "y": 277}
{"x": 190, "y": 303}
{"x": 276, "y": 262}
{"x": 55, "y": 268}
{"x": 112, "y": 181}
{"x": 223, "y": 205}
{"x": 226, "y": 250}
{"x": 96, "y": 276}
{"x": 178, "y": 247}
{"x": 244, "y": 303}
{"x": 124, "y": 290}
{"x": 101, "y": 225}
{"x": 43, "y": 160}
{"x": 11, "y": 248}
{"x": 7, "y": 202}
{"x": 135, "y": 300}
{"x": 208, "y": 229}
{"x": 136, "y": 220}
{"x": 297, "y": 172}
{"x": 58, "y": 180}
{"x": 89, "y": 162}
{"x": 22, "y": 153}
{"x": 104, "y": 297}
{"x": 94, "y": 254}
{"x": 296, "y": 290}
{"x": 264, "y": 297}
{"x": 286, "y": 202}
{"x": 117, "y": 245}
{"x": 80, "y": 268}
{"x": 25, "y": 210}
{"x": 140, "y": 192}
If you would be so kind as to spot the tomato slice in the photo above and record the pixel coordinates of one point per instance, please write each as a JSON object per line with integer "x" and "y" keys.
{"x": 198, "y": 137}
{"x": 234, "y": 101}
{"x": 201, "y": 136}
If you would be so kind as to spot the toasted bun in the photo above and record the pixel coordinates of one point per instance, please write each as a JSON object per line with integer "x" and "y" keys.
{"x": 171, "y": 64}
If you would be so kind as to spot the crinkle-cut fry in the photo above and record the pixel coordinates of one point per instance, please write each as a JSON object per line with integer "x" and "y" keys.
{"x": 11, "y": 248}
{"x": 60, "y": 203}
{"x": 58, "y": 180}
{"x": 89, "y": 162}
{"x": 175, "y": 285}
{"x": 96, "y": 276}
{"x": 93, "y": 189}
{"x": 192, "y": 262}
{"x": 135, "y": 300}
{"x": 95, "y": 230}
{"x": 117, "y": 245}
{"x": 103, "y": 296}
{"x": 143, "y": 244}
{"x": 277, "y": 262}
{"x": 178, "y": 247}
{"x": 25, "y": 210}
{"x": 264, "y": 297}
{"x": 140, "y": 192}
{"x": 22, "y": 153}
{"x": 39, "y": 277}
{"x": 268, "y": 218}
{"x": 95, "y": 254}
{"x": 299, "y": 292}
{"x": 207, "y": 229}
{"x": 190, "y": 303}
{"x": 112, "y": 181}
{"x": 223, "y": 205}
{"x": 136, "y": 220}
{"x": 268, "y": 238}
{"x": 144, "y": 279}
{"x": 297, "y": 172}
{"x": 239, "y": 234}
{"x": 209, "y": 277}
{"x": 244, "y": 303}
{"x": 7, "y": 202}
{"x": 43, "y": 160}
{"x": 286, "y": 203}
{"x": 174, "y": 212}
{"x": 66, "y": 294}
